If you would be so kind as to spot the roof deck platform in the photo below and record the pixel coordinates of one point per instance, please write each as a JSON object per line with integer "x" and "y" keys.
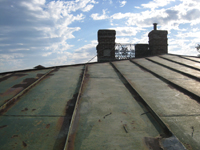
{"x": 145, "y": 103}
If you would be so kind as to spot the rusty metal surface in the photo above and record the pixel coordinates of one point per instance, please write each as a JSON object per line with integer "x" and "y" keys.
{"x": 14, "y": 99}
{"x": 32, "y": 133}
{"x": 166, "y": 101}
{"x": 183, "y": 81}
{"x": 182, "y": 61}
{"x": 108, "y": 116}
{"x": 40, "y": 118}
{"x": 11, "y": 84}
{"x": 187, "y": 128}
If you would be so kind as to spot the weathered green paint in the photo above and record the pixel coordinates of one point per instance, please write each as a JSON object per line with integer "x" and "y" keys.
{"x": 186, "y": 128}
{"x": 50, "y": 97}
{"x": 167, "y": 102}
{"x": 18, "y": 133}
{"x": 177, "y": 78}
{"x": 108, "y": 117}
{"x": 47, "y": 105}
{"x": 17, "y": 82}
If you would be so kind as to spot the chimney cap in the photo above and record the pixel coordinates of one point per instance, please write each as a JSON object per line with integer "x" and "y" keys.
{"x": 155, "y": 26}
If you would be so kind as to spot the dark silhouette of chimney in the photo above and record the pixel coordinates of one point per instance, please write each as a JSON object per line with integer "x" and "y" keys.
{"x": 158, "y": 41}
{"x": 155, "y": 26}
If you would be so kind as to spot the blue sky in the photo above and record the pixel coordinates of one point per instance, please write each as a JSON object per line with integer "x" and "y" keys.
{"x": 63, "y": 32}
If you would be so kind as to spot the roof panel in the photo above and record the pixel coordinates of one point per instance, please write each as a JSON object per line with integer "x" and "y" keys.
{"x": 166, "y": 101}
{"x": 31, "y": 133}
{"x": 161, "y": 96}
{"x": 98, "y": 71}
{"x": 50, "y": 97}
{"x": 183, "y": 81}
{"x": 41, "y": 117}
{"x": 186, "y": 128}
{"x": 108, "y": 117}
{"x": 175, "y": 66}
{"x": 192, "y": 58}
{"x": 12, "y": 84}
{"x": 120, "y": 105}
{"x": 182, "y": 61}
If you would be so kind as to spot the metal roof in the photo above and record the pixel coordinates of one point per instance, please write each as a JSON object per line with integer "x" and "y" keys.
{"x": 145, "y": 103}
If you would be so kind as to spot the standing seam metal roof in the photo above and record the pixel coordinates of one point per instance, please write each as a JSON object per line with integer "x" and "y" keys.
{"x": 144, "y": 103}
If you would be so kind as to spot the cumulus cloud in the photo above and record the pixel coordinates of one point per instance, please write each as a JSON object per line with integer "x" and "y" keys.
{"x": 80, "y": 55}
{"x": 41, "y": 28}
{"x": 122, "y": 3}
{"x": 13, "y": 61}
{"x": 127, "y": 31}
{"x": 191, "y": 14}
{"x": 168, "y": 18}
{"x": 88, "y": 8}
{"x": 97, "y": 16}
{"x": 39, "y": 25}
{"x": 157, "y": 3}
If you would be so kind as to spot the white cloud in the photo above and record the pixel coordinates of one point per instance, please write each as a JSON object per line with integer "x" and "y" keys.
{"x": 19, "y": 49}
{"x": 40, "y": 27}
{"x": 97, "y": 16}
{"x": 127, "y": 31}
{"x": 10, "y": 62}
{"x": 157, "y": 3}
{"x": 80, "y": 55}
{"x": 88, "y": 8}
{"x": 122, "y": 40}
{"x": 137, "y": 7}
{"x": 85, "y": 53}
{"x": 121, "y": 15}
{"x": 122, "y": 3}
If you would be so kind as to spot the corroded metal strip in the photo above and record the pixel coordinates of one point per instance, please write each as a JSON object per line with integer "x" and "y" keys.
{"x": 12, "y": 100}
{"x": 75, "y": 109}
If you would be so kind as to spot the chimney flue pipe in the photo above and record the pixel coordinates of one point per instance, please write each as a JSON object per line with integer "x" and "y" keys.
{"x": 155, "y": 26}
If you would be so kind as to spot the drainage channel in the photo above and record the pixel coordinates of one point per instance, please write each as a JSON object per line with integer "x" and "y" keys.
{"x": 166, "y": 140}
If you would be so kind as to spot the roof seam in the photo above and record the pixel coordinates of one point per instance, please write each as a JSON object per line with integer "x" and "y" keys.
{"x": 189, "y": 59}
{"x": 179, "y": 63}
{"x": 6, "y": 105}
{"x": 179, "y": 88}
{"x": 73, "y": 118}
{"x": 139, "y": 98}
{"x": 183, "y": 73}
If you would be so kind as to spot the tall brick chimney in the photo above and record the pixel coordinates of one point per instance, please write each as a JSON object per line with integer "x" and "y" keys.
{"x": 106, "y": 45}
{"x": 158, "y": 41}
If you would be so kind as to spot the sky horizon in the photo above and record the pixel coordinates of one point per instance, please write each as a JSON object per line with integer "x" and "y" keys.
{"x": 64, "y": 32}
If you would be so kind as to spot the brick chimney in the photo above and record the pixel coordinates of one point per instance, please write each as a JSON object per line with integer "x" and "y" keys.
{"x": 158, "y": 41}
{"x": 106, "y": 45}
